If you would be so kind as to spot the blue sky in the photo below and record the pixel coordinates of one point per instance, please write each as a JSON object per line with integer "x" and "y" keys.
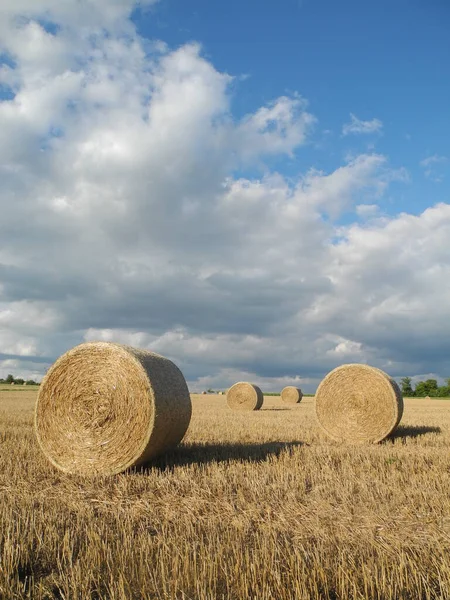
{"x": 258, "y": 191}
{"x": 384, "y": 59}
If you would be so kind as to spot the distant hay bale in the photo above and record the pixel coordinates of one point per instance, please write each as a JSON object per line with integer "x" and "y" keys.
{"x": 13, "y": 383}
{"x": 358, "y": 403}
{"x": 245, "y": 396}
{"x": 103, "y": 408}
{"x": 427, "y": 398}
{"x": 291, "y": 395}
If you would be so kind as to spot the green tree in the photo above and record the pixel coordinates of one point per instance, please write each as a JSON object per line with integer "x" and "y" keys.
{"x": 407, "y": 389}
{"x": 444, "y": 390}
{"x": 427, "y": 388}
{"x": 19, "y": 381}
{"x": 9, "y": 378}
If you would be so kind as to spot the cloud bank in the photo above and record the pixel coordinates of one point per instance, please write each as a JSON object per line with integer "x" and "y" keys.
{"x": 124, "y": 218}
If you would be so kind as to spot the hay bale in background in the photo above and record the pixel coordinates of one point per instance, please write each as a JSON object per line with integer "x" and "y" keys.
{"x": 291, "y": 395}
{"x": 104, "y": 407}
{"x": 245, "y": 396}
{"x": 358, "y": 403}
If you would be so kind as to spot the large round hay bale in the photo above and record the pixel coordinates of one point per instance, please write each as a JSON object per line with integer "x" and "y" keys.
{"x": 358, "y": 403}
{"x": 291, "y": 395}
{"x": 245, "y": 396}
{"x": 103, "y": 408}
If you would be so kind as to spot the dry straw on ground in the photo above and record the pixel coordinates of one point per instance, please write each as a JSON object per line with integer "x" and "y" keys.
{"x": 358, "y": 403}
{"x": 291, "y": 395}
{"x": 245, "y": 396}
{"x": 239, "y": 511}
{"x": 105, "y": 407}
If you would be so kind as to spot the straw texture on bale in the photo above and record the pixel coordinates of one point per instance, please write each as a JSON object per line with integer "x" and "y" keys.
{"x": 358, "y": 403}
{"x": 291, "y": 395}
{"x": 245, "y": 396}
{"x": 103, "y": 408}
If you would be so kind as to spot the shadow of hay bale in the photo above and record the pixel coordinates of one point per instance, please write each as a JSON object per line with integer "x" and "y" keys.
{"x": 215, "y": 453}
{"x": 412, "y": 431}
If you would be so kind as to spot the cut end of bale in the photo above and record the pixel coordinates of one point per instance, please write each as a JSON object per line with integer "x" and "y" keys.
{"x": 245, "y": 396}
{"x": 358, "y": 404}
{"x": 291, "y": 395}
{"x": 103, "y": 408}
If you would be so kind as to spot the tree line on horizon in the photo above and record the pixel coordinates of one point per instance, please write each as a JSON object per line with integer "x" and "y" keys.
{"x": 18, "y": 380}
{"x": 422, "y": 389}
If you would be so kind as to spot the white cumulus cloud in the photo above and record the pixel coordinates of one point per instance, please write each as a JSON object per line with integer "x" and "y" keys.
{"x": 123, "y": 218}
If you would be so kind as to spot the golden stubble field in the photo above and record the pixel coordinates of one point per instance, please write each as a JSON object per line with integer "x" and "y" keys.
{"x": 252, "y": 505}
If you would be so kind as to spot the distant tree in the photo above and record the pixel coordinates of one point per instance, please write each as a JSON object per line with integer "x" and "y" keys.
{"x": 444, "y": 390}
{"x": 427, "y": 388}
{"x": 407, "y": 389}
{"x": 9, "y": 379}
{"x": 31, "y": 382}
{"x": 19, "y": 381}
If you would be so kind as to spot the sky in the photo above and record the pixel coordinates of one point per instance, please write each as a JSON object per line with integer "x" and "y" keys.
{"x": 258, "y": 191}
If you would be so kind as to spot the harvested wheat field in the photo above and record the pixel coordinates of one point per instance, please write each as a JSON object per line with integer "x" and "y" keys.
{"x": 257, "y": 505}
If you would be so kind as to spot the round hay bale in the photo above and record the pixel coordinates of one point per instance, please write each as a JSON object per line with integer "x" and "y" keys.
{"x": 245, "y": 396}
{"x": 103, "y": 408}
{"x": 358, "y": 403}
{"x": 291, "y": 395}
{"x": 427, "y": 398}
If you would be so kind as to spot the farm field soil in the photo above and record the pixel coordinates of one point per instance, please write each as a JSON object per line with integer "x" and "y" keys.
{"x": 254, "y": 505}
